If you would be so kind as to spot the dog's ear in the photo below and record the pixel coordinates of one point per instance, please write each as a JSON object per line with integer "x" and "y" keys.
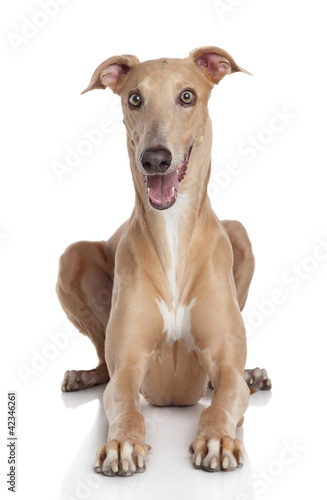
{"x": 215, "y": 63}
{"x": 112, "y": 73}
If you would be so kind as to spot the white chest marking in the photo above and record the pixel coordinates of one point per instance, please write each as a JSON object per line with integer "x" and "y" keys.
{"x": 177, "y": 321}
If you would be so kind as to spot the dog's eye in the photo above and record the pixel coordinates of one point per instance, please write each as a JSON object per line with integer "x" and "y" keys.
{"x": 134, "y": 100}
{"x": 187, "y": 97}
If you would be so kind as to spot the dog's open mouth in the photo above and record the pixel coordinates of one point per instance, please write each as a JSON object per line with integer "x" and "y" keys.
{"x": 162, "y": 188}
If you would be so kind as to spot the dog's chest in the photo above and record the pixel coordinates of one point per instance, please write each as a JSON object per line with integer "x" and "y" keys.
{"x": 177, "y": 323}
{"x": 176, "y": 316}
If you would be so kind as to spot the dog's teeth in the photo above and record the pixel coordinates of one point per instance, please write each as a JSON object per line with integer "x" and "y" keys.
{"x": 148, "y": 191}
{"x": 173, "y": 192}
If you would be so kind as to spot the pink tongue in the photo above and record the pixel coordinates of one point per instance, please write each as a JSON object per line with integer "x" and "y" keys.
{"x": 161, "y": 187}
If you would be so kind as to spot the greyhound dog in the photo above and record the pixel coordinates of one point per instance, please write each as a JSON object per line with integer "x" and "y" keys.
{"x": 161, "y": 300}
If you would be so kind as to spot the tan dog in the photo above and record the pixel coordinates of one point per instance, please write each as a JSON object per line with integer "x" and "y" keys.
{"x": 161, "y": 299}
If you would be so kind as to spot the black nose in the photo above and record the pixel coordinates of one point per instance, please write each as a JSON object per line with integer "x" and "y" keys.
{"x": 156, "y": 161}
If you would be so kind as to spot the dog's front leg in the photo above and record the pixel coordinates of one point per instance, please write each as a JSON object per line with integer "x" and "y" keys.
{"x": 131, "y": 338}
{"x": 125, "y": 452}
{"x": 221, "y": 347}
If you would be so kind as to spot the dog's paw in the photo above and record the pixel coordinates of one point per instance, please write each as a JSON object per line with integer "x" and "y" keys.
{"x": 257, "y": 380}
{"x": 213, "y": 453}
{"x": 121, "y": 458}
{"x": 77, "y": 380}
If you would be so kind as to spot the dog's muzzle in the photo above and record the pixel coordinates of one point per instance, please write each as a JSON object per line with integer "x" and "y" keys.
{"x": 161, "y": 187}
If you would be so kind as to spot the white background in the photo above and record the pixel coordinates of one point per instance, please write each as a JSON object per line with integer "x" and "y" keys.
{"x": 279, "y": 194}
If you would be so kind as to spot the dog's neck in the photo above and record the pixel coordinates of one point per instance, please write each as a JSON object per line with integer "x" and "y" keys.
{"x": 188, "y": 213}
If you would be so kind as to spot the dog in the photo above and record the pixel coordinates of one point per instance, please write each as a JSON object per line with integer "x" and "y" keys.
{"x": 161, "y": 300}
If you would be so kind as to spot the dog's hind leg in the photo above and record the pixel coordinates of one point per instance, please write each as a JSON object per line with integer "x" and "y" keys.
{"x": 243, "y": 269}
{"x": 243, "y": 266}
{"x": 84, "y": 289}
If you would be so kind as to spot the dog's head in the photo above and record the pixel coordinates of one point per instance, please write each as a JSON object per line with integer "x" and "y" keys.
{"x": 165, "y": 112}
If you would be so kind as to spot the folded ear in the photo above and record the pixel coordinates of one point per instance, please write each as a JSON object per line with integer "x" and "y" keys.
{"x": 215, "y": 63}
{"x": 112, "y": 73}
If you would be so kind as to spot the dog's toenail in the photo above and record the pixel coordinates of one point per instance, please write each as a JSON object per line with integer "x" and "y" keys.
{"x": 198, "y": 459}
{"x": 124, "y": 465}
